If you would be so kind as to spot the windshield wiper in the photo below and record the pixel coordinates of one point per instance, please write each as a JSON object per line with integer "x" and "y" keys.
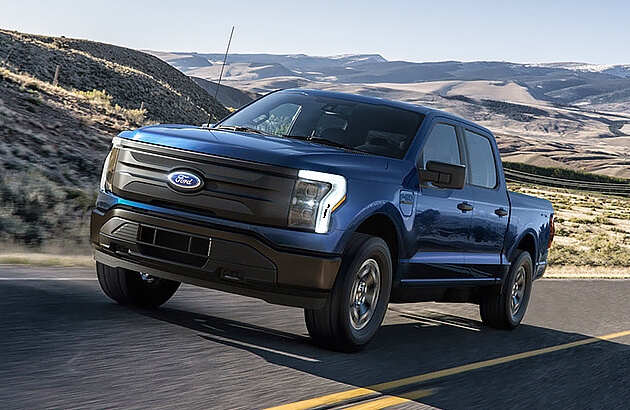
{"x": 239, "y": 128}
{"x": 322, "y": 141}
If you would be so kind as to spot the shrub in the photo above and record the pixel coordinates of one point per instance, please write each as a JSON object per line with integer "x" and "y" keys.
{"x": 33, "y": 100}
{"x": 36, "y": 211}
{"x": 31, "y": 85}
{"x": 582, "y": 221}
{"x": 103, "y": 100}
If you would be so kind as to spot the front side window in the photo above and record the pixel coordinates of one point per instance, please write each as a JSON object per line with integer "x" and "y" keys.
{"x": 483, "y": 171}
{"x": 364, "y": 126}
{"x": 441, "y": 146}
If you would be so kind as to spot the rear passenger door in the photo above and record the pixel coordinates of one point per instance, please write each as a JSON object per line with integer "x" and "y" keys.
{"x": 442, "y": 216}
{"x": 490, "y": 216}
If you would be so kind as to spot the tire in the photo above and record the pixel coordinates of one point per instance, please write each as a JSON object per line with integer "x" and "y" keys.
{"x": 497, "y": 308}
{"x": 133, "y": 288}
{"x": 365, "y": 275}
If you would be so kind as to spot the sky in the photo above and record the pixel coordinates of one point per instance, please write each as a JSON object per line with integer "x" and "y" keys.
{"x": 530, "y": 31}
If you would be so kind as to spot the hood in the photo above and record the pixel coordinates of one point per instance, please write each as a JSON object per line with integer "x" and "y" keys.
{"x": 279, "y": 151}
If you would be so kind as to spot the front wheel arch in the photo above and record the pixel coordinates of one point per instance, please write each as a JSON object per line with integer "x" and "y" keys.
{"x": 331, "y": 327}
{"x": 381, "y": 225}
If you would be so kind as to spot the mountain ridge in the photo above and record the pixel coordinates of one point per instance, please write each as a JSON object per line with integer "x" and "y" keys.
{"x": 593, "y": 86}
{"x": 570, "y": 115}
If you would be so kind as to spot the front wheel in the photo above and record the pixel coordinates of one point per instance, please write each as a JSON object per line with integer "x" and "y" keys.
{"x": 134, "y": 288}
{"x": 504, "y": 308}
{"x": 358, "y": 301}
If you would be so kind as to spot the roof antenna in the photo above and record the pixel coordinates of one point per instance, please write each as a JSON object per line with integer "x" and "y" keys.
{"x": 216, "y": 93}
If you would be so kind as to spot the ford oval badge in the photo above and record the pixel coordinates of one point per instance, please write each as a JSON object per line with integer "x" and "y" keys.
{"x": 184, "y": 181}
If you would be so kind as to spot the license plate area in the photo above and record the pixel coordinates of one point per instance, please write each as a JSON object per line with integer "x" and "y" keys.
{"x": 174, "y": 246}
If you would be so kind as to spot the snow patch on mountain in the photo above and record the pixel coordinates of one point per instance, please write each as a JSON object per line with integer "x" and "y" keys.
{"x": 617, "y": 70}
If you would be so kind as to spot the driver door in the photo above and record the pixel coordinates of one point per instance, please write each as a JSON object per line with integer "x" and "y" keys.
{"x": 443, "y": 216}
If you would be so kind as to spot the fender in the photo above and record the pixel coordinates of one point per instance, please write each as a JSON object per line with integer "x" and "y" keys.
{"x": 509, "y": 254}
{"x": 386, "y": 209}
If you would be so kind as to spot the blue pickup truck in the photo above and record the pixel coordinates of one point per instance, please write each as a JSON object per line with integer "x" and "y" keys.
{"x": 335, "y": 203}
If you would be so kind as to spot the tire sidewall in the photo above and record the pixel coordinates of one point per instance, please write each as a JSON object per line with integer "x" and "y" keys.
{"x": 148, "y": 295}
{"x": 373, "y": 248}
{"x": 523, "y": 259}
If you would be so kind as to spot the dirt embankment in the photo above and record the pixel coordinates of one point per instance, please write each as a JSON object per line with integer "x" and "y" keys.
{"x": 54, "y": 138}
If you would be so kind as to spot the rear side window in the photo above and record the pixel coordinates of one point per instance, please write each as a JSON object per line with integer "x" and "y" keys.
{"x": 442, "y": 145}
{"x": 483, "y": 171}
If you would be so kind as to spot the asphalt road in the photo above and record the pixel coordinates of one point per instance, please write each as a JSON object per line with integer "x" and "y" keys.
{"x": 63, "y": 344}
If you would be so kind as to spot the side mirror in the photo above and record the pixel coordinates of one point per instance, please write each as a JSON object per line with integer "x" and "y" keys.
{"x": 444, "y": 175}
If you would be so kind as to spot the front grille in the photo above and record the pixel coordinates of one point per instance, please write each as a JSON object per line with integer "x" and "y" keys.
{"x": 126, "y": 231}
{"x": 174, "y": 246}
{"x": 234, "y": 189}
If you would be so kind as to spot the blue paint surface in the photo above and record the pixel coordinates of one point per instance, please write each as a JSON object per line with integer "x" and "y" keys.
{"x": 435, "y": 240}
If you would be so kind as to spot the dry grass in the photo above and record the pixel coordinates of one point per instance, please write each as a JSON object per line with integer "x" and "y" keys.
{"x": 591, "y": 230}
{"x": 43, "y": 259}
{"x": 101, "y": 109}
{"x": 553, "y": 272}
{"x": 587, "y": 272}
{"x": 100, "y": 99}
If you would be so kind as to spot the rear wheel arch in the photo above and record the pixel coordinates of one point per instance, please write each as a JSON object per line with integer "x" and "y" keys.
{"x": 504, "y": 306}
{"x": 528, "y": 244}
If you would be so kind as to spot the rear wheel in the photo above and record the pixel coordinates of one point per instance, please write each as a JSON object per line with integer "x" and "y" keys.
{"x": 129, "y": 287}
{"x": 358, "y": 301}
{"x": 505, "y": 307}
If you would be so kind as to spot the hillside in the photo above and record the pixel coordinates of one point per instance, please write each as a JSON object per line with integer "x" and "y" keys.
{"x": 568, "y": 115}
{"x": 53, "y": 139}
{"x": 228, "y": 96}
{"x": 133, "y": 79}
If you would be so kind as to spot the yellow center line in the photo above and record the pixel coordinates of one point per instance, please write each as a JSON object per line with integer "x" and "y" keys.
{"x": 381, "y": 387}
{"x": 392, "y": 400}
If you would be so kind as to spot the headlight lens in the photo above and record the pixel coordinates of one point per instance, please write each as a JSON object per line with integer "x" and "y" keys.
{"x": 315, "y": 196}
{"x": 107, "y": 177}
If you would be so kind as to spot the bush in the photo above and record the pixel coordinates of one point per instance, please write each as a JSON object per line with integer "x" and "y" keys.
{"x": 104, "y": 101}
{"x": 33, "y": 100}
{"x": 36, "y": 211}
{"x": 31, "y": 85}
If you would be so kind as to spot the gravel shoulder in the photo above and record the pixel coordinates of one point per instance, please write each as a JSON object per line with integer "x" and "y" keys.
{"x": 553, "y": 272}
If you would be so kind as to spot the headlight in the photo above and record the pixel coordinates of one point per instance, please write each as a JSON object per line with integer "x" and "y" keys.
{"x": 107, "y": 177}
{"x": 315, "y": 196}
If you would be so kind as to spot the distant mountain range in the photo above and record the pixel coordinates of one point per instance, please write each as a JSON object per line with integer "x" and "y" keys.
{"x": 571, "y": 115}
{"x": 593, "y": 86}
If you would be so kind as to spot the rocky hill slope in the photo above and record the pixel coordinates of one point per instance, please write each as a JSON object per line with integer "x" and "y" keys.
{"x": 133, "y": 79}
{"x": 54, "y": 138}
{"x": 228, "y": 96}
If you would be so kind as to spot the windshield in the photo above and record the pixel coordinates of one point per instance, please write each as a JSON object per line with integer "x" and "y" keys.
{"x": 371, "y": 128}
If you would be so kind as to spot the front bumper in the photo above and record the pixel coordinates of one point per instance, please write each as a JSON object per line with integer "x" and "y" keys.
{"x": 541, "y": 267}
{"x": 210, "y": 257}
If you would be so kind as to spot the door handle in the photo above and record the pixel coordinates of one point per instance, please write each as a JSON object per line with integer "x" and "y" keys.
{"x": 501, "y": 212}
{"x": 464, "y": 207}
